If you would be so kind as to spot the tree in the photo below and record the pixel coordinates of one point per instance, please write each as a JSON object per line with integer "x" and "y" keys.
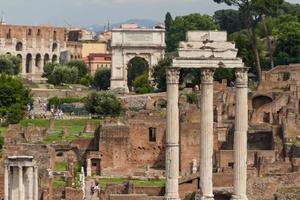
{"x": 13, "y": 99}
{"x": 81, "y": 67}
{"x": 159, "y": 72}
{"x": 63, "y": 74}
{"x": 136, "y": 67}
{"x": 142, "y": 84}
{"x": 102, "y": 79}
{"x": 182, "y": 24}
{"x": 48, "y": 69}
{"x": 103, "y": 104}
{"x": 168, "y": 21}
{"x": 253, "y": 10}
{"x": 10, "y": 65}
{"x": 229, "y": 20}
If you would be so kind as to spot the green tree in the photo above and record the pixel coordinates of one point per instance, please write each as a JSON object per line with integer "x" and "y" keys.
{"x": 48, "y": 69}
{"x": 102, "y": 79}
{"x": 229, "y": 20}
{"x": 10, "y": 65}
{"x": 159, "y": 72}
{"x": 13, "y": 99}
{"x": 253, "y": 11}
{"x": 103, "y": 103}
{"x": 168, "y": 21}
{"x": 81, "y": 67}
{"x": 86, "y": 80}
{"x": 182, "y": 24}
{"x": 142, "y": 84}
{"x": 136, "y": 67}
{"x": 63, "y": 74}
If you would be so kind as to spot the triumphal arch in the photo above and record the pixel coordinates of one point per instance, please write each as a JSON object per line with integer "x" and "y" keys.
{"x": 127, "y": 44}
{"x": 207, "y": 51}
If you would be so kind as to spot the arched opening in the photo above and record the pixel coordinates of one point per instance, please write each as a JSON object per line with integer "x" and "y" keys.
{"x": 54, "y": 58}
{"x": 72, "y": 57}
{"x": 286, "y": 76}
{"x": 8, "y": 53}
{"x": 19, "y": 46}
{"x": 259, "y": 101}
{"x": 38, "y": 32}
{"x": 8, "y": 35}
{"x": 38, "y": 60}
{"x": 46, "y": 59}
{"x": 29, "y": 32}
{"x": 20, "y": 59}
{"x": 54, "y": 35}
{"x": 136, "y": 67}
{"x": 29, "y": 63}
{"x": 54, "y": 47}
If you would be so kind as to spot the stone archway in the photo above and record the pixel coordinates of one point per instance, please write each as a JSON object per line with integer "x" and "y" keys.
{"x": 38, "y": 61}
{"x": 46, "y": 59}
{"x": 29, "y": 63}
{"x": 136, "y": 66}
{"x": 129, "y": 43}
{"x": 54, "y": 58}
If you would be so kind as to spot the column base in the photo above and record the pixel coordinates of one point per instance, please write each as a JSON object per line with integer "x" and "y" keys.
{"x": 171, "y": 198}
{"x": 239, "y": 197}
{"x": 200, "y": 196}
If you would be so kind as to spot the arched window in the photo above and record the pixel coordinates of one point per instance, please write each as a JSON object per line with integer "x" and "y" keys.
{"x": 38, "y": 32}
{"x": 54, "y": 47}
{"x": 8, "y": 35}
{"x": 29, "y": 32}
{"x": 54, "y": 35}
{"x": 19, "y": 46}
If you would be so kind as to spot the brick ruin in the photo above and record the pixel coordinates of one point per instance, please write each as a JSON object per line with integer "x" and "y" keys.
{"x": 135, "y": 145}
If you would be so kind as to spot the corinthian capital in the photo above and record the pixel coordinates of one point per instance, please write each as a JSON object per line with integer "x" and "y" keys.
{"x": 241, "y": 75}
{"x": 173, "y": 75}
{"x": 207, "y": 75}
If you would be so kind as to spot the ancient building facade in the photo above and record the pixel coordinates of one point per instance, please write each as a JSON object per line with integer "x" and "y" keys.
{"x": 34, "y": 45}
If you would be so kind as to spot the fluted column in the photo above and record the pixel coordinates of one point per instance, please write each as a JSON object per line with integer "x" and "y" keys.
{"x": 30, "y": 183}
{"x": 240, "y": 135}
{"x": 20, "y": 183}
{"x": 206, "y": 134}
{"x": 6, "y": 181}
{"x": 172, "y": 137}
{"x": 36, "y": 183}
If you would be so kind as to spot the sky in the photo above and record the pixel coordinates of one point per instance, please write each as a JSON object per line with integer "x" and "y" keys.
{"x": 88, "y": 12}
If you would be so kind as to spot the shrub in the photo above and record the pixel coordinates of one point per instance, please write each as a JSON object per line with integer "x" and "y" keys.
{"x": 48, "y": 69}
{"x": 142, "y": 84}
{"x": 80, "y": 66}
{"x": 103, "y": 104}
{"x": 63, "y": 74}
{"x": 59, "y": 101}
{"x": 86, "y": 80}
{"x": 192, "y": 98}
{"x": 10, "y": 65}
{"x": 102, "y": 79}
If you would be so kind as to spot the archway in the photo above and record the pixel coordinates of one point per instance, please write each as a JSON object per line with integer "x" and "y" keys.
{"x": 54, "y": 58}
{"x": 46, "y": 59}
{"x": 28, "y": 63}
{"x": 38, "y": 60}
{"x": 136, "y": 67}
{"x": 19, "y": 46}
{"x": 261, "y": 100}
{"x": 54, "y": 47}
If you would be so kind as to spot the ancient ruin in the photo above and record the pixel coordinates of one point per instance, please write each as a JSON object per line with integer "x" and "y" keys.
{"x": 127, "y": 44}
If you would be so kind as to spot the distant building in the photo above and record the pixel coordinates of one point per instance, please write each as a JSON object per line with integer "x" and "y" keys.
{"x": 76, "y": 35}
{"x": 97, "y": 61}
{"x": 34, "y": 45}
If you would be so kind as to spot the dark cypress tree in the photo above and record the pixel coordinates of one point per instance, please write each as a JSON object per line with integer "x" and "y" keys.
{"x": 168, "y": 21}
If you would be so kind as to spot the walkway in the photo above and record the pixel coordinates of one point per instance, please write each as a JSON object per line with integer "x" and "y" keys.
{"x": 89, "y": 196}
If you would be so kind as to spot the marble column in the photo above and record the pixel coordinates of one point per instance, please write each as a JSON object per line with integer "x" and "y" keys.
{"x": 240, "y": 135}
{"x": 30, "y": 182}
{"x": 20, "y": 183}
{"x": 88, "y": 167}
{"x": 206, "y": 134}
{"x": 6, "y": 182}
{"x": 36, "y": 183}
{"x": 172, "y": 137}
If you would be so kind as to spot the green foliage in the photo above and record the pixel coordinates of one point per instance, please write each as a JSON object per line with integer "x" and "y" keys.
{"x": 10, "y": 65}
{"x": 59, "y": 182}
{"x": 192, "y": 98}
{"x": 13, "y": 98}
{"x": 103, "y": 103}
{"x": 63, "y": 74}
{"x": 136, "y": 67}
{"x": 48, "y": 69}
{"x": 142, "y": 84}
{"x": 224, "y": 73}
{"x": 86, "y": 80}
{"x": 102, "y": 79}
{"x": 61, "y": 166}
{"x": 182, "y": 24}
{"x": 229, "y": 20}
{"x": 59, "y": 101}
{"x": 80, "y": 66}
{"x": 159, "y": 72}
{"x": 168, "y": 21}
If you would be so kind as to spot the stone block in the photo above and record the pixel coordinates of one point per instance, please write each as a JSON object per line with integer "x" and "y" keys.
{"x": 200, "y": 36}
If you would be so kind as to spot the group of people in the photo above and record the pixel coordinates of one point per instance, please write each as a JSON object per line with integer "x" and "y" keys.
{"x": 57, "y": 113}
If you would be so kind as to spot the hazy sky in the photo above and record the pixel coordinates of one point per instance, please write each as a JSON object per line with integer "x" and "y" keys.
{"x": 88, "y": 12}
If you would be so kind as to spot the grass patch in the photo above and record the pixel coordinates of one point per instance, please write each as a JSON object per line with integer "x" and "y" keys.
{"x": 59, "y": 183}
{"x": 137, "y": 182}
{"x": 61, "y": 166}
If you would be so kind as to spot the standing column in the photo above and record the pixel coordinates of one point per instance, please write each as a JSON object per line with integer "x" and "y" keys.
{"x": 172, "y": 137}
{"x": 36, "y": 184}
{"x": 30, "y": 182}
{"x": 21, "y": 183}
{"x": 206, "y": 134}
{"x": 240, "y": 135}
{"x": 88, "y": 167}
{"x": 6, "y": 182}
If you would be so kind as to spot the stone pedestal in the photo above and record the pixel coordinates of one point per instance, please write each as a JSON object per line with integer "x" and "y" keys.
{"x": 206, "y": 134}
{"x": 172, "y": 137}
{"x": 240, "y": 135}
